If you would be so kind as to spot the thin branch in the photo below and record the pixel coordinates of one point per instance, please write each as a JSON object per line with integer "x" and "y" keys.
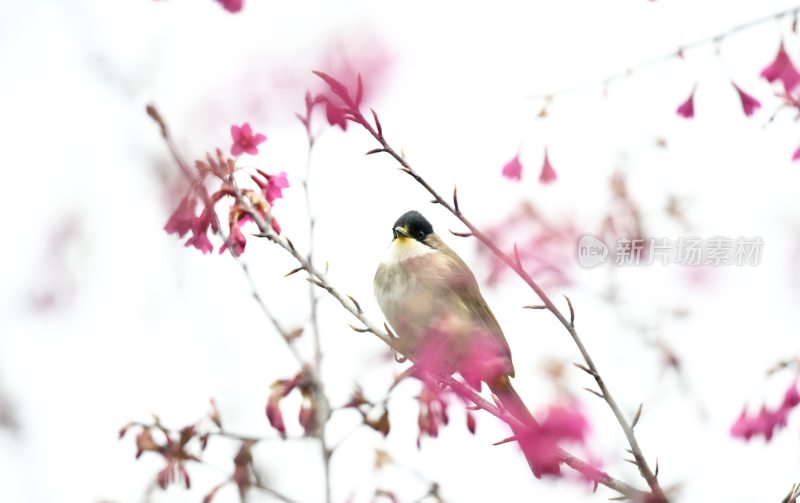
{"x": 628, "y": 72}
{"x": 460, "y": 389}
{"x": 323, "y": 406}
{"x": 515, "y": 265}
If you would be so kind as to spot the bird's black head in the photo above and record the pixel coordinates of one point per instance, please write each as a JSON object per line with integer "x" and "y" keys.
{"x": 412, "y": 225}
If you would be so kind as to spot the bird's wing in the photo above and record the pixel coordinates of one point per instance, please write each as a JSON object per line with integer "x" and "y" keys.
{"x": 464, "y": 285}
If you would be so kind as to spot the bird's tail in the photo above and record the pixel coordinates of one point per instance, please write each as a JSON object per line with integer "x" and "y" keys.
{"x": 510, "y": 400}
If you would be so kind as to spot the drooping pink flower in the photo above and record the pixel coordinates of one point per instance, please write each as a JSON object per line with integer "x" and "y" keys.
{"x": 749, "y": 103}
{"x": 274, "y": 414}
{"x": 244, "y": 141}
{"x": 782, "y": 69}
{"x": 272, "y": 186}
{"x": 236, "y": 240}
{"x": 432, "y": 412}
{"x": 182, "y": 219}
{"x": 232, "y": 5}
{"x": 200, "y": 240}
{"x": 513, "y": 169}
{"x": 767, "y": 421}
{"x": 548, "y": 174}
{"x": 686, "y": 109}
{"x": 566, "y": 422}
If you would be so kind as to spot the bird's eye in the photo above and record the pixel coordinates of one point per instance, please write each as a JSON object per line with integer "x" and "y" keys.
{"x": 421, "y": 234}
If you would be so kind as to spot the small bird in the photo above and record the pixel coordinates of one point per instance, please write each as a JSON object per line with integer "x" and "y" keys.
{"x": 426, "y": 292}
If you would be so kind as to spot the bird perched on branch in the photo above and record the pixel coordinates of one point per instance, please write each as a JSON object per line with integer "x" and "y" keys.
{"x": 432, "y": 301}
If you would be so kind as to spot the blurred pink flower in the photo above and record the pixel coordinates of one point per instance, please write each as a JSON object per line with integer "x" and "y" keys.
{"x": 244, "y": 141}
{"x": 547, "y": 248}
{"x": 686, "y": 109}
{"x": 335, "y": 115}
{"x": 232, "y": 5}
{"x": 182, "y": 219}
{"x": 513, "y": 169}
{"x": 562, "y": 423}
{"x": 767, "y": 421}
{"x": 548, "y": 174}
{"x": 796, "y": 154}
{"x": 484, "y": 360}
{"x": 749, "y": 103}
{"x": 200, "y": 228}
{"x": 432, "y": 412}
{"x": 782, "y": 69}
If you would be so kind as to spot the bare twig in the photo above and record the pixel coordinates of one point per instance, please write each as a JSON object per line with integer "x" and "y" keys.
{"x": 628, "y": 72}
{"x": 323, "y": 406}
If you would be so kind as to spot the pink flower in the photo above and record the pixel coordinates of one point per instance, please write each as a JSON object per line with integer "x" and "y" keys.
{"x": 236, "y": 240}
{"x": 767, "y": 421}
{"x": 201, "y": 242}
{"x": 232, "y": 6}
{"x": 782, "y": 69}
{"x": 432, "y": 412}
{"x": 541, "y": 442}
{"x": 749, "y": 104}
{"x": 274, "y": 414}
{"x": 686, "y": 109}
{"x": 513, "y": 169}
{"x": 274, "y": 185}
{"x": 566, "y": 422}
{"x": 796, "y": 155}
{"x": 548, "y": 174}
{"x": 244, "y": 141}
{"x": 182, "y": 219}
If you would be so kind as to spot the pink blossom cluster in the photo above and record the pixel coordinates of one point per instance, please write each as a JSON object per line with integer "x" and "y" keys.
{"x": 767, "y": 421}
{"x": 185, "y": 219}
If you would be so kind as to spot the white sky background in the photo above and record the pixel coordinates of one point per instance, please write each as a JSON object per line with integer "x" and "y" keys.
{"x": 154, "y": 327}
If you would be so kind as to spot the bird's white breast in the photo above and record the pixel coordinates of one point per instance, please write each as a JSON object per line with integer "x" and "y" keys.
{"x": 403, "y": 249}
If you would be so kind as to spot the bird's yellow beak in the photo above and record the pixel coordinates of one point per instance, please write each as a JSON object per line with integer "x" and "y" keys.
{"x": 401, "y": 231}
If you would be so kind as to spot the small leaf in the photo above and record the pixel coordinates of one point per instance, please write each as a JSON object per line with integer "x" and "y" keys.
{"x": 538, "y": 306}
